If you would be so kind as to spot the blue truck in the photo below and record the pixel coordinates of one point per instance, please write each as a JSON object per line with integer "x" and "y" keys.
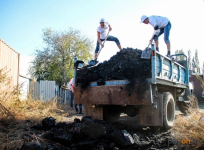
{"x": 168, "y": 86}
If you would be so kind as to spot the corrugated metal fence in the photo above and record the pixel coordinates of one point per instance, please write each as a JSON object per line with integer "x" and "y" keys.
{"x": 46, "y": 90}
{"x": 35, "y": 91}
{"x": 65, "y": 95}
{"x": 10, "y": 59}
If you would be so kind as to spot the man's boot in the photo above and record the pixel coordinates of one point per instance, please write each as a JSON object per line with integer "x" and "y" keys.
{"x": 76, "y": 108}
{"x": 80, "y": 109}
{"x": 168, "y": 54}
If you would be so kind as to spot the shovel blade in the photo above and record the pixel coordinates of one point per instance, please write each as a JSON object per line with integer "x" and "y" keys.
{"x": 93, "y": 62}
{"x": 146, "y": 54}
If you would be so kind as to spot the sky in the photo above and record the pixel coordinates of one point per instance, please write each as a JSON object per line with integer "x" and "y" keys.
{"x": 22, "y": 23}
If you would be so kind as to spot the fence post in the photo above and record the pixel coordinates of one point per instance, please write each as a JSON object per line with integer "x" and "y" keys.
{"x": 65, "y": 96}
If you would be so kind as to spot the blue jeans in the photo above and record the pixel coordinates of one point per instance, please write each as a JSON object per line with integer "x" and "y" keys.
{"x": 80, "y": 108}
{"x": 110, "y": 38}
{"x": 166, "y": 31}
{"x": 72, "y": 99}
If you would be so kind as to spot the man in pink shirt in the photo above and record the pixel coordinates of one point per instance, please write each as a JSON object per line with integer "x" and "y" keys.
{"x": 71, "y": 85}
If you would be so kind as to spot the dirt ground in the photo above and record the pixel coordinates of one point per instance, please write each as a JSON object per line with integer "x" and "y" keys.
{"x": 76, "y": 134}
{"x": 125, "y": 123}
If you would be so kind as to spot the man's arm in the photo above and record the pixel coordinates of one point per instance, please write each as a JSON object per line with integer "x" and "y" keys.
{"x": 98, "y": 38}
{"x": 109, "y": 27}
{"x": 153, "y": 22}
{"x": 157, "y": 31}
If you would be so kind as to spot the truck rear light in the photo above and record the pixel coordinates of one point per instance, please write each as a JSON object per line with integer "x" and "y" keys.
{"x": 152, "y": 52}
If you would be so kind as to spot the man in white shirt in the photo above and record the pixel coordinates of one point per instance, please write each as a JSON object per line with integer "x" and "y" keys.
{"x": 102, "y": 32}
{"x": 161, "y": 25}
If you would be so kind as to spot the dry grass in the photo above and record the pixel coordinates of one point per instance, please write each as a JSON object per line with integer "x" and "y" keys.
{"x": 190, "y": 128}
{"x": 14, "y": 114}
{"x": 30, "y": 109}
{"x": 34, "y": 110}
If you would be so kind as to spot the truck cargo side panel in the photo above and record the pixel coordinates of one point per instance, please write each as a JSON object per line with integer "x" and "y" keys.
{"x": 110, "y": 95}
{"x": 169, "y": 70}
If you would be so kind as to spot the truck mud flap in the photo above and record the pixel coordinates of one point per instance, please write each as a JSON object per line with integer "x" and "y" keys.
{"x": 94, "y": 112}
{"x": 151, "y": 116}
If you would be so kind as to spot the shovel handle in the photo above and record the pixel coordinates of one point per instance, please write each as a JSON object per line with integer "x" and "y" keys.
{"x": 149, "y": 44}
{"x": 103, "y": 43}
{"x": 151, "y": 38}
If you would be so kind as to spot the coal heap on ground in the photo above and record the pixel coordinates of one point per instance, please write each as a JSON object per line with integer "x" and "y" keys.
{"x": 126, "y": 64}
{"x": 88, "y": 134}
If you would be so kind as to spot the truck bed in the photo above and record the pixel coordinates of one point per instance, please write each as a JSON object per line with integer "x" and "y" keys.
{"x": 164, "y": 71}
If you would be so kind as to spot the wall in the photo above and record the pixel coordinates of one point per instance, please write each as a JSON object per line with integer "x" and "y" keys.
{"x": 10, "y": 59}
{"x": 24, "y": 84}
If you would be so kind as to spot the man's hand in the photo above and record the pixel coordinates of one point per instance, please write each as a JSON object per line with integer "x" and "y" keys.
{"x": 110, "y": 28}
{"x": 150, "y": 40}
{"x": 102, "y": 45}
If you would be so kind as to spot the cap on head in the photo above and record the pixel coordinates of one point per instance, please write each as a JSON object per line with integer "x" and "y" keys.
{"x": 143, "y": 18}
{"x": 102, "y": 20}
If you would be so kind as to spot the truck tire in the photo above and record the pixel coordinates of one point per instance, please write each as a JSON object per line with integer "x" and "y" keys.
{"x": 184, "y": 107}
{"x": 168, "y": 110}
{"x": 131, "y": 111}
{"x": 111, "y": 113}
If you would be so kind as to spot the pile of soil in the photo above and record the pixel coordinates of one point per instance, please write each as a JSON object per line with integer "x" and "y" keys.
{"x": 125, "y": 65}
{"x": 88, "y": 134}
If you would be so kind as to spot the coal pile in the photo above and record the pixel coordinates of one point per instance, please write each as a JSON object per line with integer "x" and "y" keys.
{"x": 48, "y": 123}
{"x": 126, "y": 64}
{"x": 88, "y": 134}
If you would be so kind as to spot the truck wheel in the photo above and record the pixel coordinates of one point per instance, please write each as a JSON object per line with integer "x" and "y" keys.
{"x": 131, "y": 111}
{"x": 168, "y": 110}
{"x": 185, "y": 108}
{"x": 111, "y": 113}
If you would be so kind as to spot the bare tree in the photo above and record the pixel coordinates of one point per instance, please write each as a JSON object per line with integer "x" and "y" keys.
{"x": 189, "y": 60}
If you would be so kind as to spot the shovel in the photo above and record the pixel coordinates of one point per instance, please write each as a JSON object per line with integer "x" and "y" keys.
{"x": 146, "y": 54}
{"x": 94, "y": 62}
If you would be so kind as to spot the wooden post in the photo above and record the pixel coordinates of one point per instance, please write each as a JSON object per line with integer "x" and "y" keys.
{"x": 63, "y": 94}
